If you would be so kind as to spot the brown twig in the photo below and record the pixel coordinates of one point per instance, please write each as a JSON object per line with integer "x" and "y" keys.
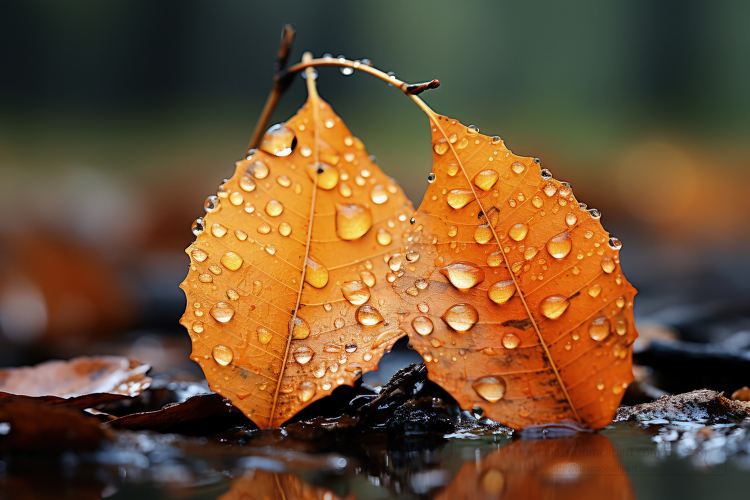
{"x": 281, "y": 81}
{"x": 283, "y": 78}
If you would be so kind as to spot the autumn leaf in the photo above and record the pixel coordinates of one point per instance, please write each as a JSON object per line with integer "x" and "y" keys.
{"x": 80, "y": 382}
{"x": 515, "y": 296}
{"x": 288, "y": 293}
{"x": 275, "y": 486}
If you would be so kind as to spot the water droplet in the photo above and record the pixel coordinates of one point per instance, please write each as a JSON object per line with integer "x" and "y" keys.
{"x": 249, "y": 207}
{"x": 621, "y": 325}
{"x": 600, "y": 385}
{"x": 501, "y": 292}
{"x": 608, "y": 266}
{"x": 215, "y": 269}
{"x": 423, "y": 307}
{"x": 550, "y": 189}
{"x": 257, "y": 169}
{"x": 571, "y": 219}
{"x": 247, "y": 184}
{"x": 620, "y": 302}
{"x": 285, "y": 229}
{"x": 458, "y": 198}
{"x": 198, "y": 327}
{"x": 257, "y": 287}
{"x": 413, "y": 291}
{"x": 338, "y": 323}
{"x": 490, "y": 388}
{"x": 546, "y": 174}
{"x": 298, "y": 328}
{"x": 384, "y": 237}
{"x": 199, "y": 254}
{"x": 218, "y": 230}
{"x": 462, "y": 143}
{"x": 270, "y": 249}
{"x": 264, "y": 228}
{"x": 274, "y": 208}
{"x": 197, "y": 227}
{"x": 422, "y": 325}
{"x": 511, "y": 340}
{"x": 595, "y": 290}
{"x": 306, "y": 391}
{"x": 319, "y": 370}
{"x": 305, "y": 150}
{"x": 472, "y": 129}
{"x": 390, "y": 277}
{"x": 518, "y": 232}
{"x": 440, "y": 147}
{"x": 537, "y": 202}
{"x": 486, "y": 179}
{"x": 316, "y": 273}
{"x": 279, "y": 140}
{"x": 463, "y": 275}
{"x": 222, "y": 312}
{"x": 222, "y": 355}
{"x": 350, "y": 347}
{"x": 483, "y": 234}
{"x": 461, "y": 317}
{"x": 431, "y": 178}
{"x": 231, "y": 260}
{"x": 595, "y": 214}
{"x": 303, "y": 355}
{"x": 453, "y": 231}
{"x": 345, "y": 190}
{"x": 368, "y": 278}
{"x": 368, "y": 316}
{"x": 352, "y": 220}
{"x": 327, "y": 175}
{"x": 212, "y": 204}
{"x": 284, "y": 181}
{"x": 553, "y": 306}
{"x": 530, "y": 253}
{"x": 614, "y": 243}
{"x": 411, "y": 256}
{"x": 356, "y": 292}
{"x": 559, "y": 246}
{"x": 379, "y": 195}
{"x": 495, "y": 259}
{"x": 421, "y": 283}
{"x": 599, "y": 329}
{"x": 233, "y": 295}
{"x": 264, "y": 336}
{"x": 518, "y": 167}
{"x": 395, "y": 262}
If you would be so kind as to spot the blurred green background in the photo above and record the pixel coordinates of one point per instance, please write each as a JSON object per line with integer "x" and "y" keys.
{"x": 118, "y": 118}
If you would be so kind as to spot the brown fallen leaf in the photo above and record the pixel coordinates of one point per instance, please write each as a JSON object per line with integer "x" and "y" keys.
{"x": 514, "y": 291}
{"x": 80, "y": 382}
{"x": 288, "y": 293}
{"x": 276, "y": 486}
{"x": 41, "y": 428}
{"x": 584, "y": 465}
{"x": 742, "y": 394}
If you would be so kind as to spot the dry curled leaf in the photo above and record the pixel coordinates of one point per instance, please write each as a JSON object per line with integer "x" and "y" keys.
{"x": 81, "y": 382}
{"x": 514, "y": 291}
{"x": 288, "y": 292}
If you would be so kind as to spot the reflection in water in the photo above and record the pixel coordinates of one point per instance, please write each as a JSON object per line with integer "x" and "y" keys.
{"x": 579, "y": 466}
{"x": 260, "y": 484}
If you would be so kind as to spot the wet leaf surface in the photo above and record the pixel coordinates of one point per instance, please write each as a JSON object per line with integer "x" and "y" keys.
{"x": 80, "y": 382}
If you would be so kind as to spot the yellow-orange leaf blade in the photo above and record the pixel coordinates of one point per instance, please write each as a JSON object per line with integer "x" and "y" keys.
{"x": 516, "y": 302}
{"x": 310, "y": 181}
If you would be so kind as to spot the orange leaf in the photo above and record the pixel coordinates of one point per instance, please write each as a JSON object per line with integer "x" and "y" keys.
{"x": 515, "y": 295}
{"x": 288, "y": 291}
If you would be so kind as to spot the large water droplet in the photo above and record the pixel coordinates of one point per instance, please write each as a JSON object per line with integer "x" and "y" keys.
{"x": 222, "y": 355}
{"x": 368, "y": 278}
{"x": 299, "y": 329}
{"x": 316, "y": 273}
{"x": 212, "y": 203}
{"x": 550, "y": 189}
{"x": 458, "y": 198}
{"x": 198, "y": 227}
{"x": 422, "y": 325}
{"x": 274, "y": 208}
{"x": 501, "y": 292}
{"x": 490, "y": 388}
{"x": 518, "y": 232}
{"x": 379, "y": 195}
{"x": 285, "y": 229}
{"x": 257, "y": 169}
{"x": 326, "y": 174}
{"x": 599, "y": 329}
{"x": 384, "y": 237}
{"x": 472, "y": 129}
{"x": 270, "y": 249}
{"x": 356, "y": 292}
{"x": 368, "y": 316}
{"x": 303, "y": 354}
{"x": 553, "y": 306}
{"x": 231, "y": 261}
{"x": 222, "y": 312}
{"x": 247, "y": 184}
{"x": 431, "y": 177}
{"x": 483, "y": 234}
{"x": 352, "y": 220}
{"x": 452, "y": 231}
{"x": 264, "y": 336}
{"x": 411, "y": 256}
{"x": 461, "y": 317}
{"x": 559, "y": 246}
{"x": 595, "y": 290}
{"x": 394, "y": 263}
{"x": 518, "y": 167}
{"x": 608, "y": 266}
{"x": 199, "y": 254}
{"x": 486, "y": 179}
{"x": 278, "y": 141}
{"x": 306, "y": 391}
{"x": 511, "y": 340}
{"x": 218, "y": 230}
{"x": 463, "y": 275}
